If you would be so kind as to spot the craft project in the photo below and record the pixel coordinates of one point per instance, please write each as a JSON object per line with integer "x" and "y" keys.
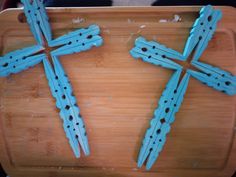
{"x": 172, "y": 97}
{"x": 74, "y": 42}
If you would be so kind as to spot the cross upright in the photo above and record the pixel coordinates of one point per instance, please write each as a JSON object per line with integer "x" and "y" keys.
{"x": 60, "y": 86}
{"x": 172, "y": 97}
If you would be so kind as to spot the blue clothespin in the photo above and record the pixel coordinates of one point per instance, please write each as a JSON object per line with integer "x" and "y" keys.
{"x": 202, "y": 31}
{"x": 57, "y": 93}
{"x": 170, "y": 119}
{"x": 66, "y": 102}
{"x": 38, "y": 20}
{"x": 73, "y": 111}
{"x": 164, "y": 115}
{"x": 77, "y": 41}
{"x": 43, "y": 20}
{"x": 215, "y": 77}
{"x": 154, "y": 53}
{"x": 80, "y": 34}
{"x": 20, "y": 60}
{"x": 161, "y": 50}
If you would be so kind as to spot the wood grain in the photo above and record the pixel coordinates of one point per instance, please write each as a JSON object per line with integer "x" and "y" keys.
{"x": 117, "y": 96}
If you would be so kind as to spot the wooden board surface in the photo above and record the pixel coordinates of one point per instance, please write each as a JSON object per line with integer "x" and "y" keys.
{"x": 117, "y": 96}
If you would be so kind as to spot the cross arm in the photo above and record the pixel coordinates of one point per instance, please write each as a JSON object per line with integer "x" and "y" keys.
{"x": 77, "y": 41}
{"x": 157, "y": 55}
{"x": 214, "y": 77}
{"x": 19, "y": 60}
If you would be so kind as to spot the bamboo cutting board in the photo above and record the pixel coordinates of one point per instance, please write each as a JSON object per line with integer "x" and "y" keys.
{"x": 117, "y": 96}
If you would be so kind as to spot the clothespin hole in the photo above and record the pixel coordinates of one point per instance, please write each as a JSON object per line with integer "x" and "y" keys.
{"x": 158, "y": 131}
{"x": 70, "y": 117}
{"x": 167, "y": 110}
{"x": 209, "y": 18}
{"x": 5, "y": 65}
{"x": 144, "y": 49}
{"x": 163, "y": 120}
{"x": 67, "y": 107}
{"x": 89, "y": 36}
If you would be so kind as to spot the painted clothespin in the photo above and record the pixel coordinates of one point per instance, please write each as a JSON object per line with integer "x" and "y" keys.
{"x": 154, "y": 53}
{"x": 164, "y": 115}
{"x": 202, "y": 32}
{"x": 20, "y": 60}
{"x": 65, "y": 101}
{"x": 214, "y": 77}
{"x": 79, "y": 34}
{"x": 38, "y": 20}
{"x": 77, "y": 41}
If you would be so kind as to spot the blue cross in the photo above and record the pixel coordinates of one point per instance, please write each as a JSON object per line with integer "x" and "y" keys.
{"x": 74, "y": 42}
{"x": 172, "y": 97}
